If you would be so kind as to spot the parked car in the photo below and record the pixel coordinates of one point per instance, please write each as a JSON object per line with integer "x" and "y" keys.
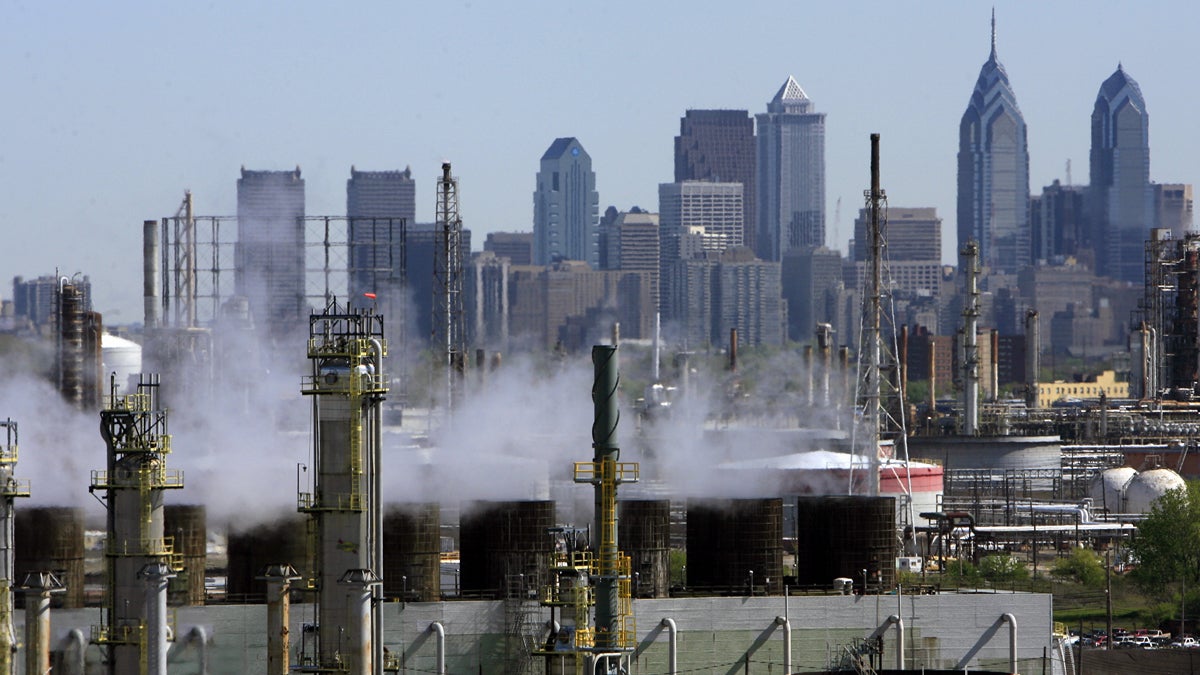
{"x": 1185, "y": 642}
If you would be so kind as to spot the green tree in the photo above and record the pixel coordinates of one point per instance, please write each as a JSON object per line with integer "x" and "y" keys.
{"x": 997, "y": 568}
{"x": 1167, "y": 545}
{"x": 1082, "y": 566}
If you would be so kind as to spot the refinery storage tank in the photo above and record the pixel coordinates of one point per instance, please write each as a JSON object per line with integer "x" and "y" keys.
{"x": 1146, "y": 487}
{"x": 251, "y": 550}
{"x": 1107, "y": 488}
{"x": 644, "y": 534}
{"x": 187, "y": 526}
{"x": 840, "y": 537}
{"x": 504, "y": 547}
{"x": 733, "y": 544}
{"x": 50, "y": 538}
{"x": 412, "y": 552}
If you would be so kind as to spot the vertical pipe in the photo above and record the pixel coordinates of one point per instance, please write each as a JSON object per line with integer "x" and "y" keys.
{"x": 439, "y": 632}
{"x": 606, "y": 452}
{"x": 673, "y": 646}
{"x": 932, "y": 377}
{"x": 733, "y": 350}
{"x": 37, "y": 588}
{"x": 807, "y": 358}
{"x": 156, "y": 576}
{"x": 279, "y": 580}
{"x": 825, "y": 346}
{"x": 189, "y": 279}
{"x": 994, "y": 365}
{"x": 376, "y": 497}
{"x": 657, "y": 346}
{"x": 79, "y": 662}
{"x": 787, "y": 642}
{"x": 150, "y": 273}
{"x": 970, "y": 365}
{"x": 903, "y": 365}
{"x": 1033, "y": 358}
{"x": 1012, "y": 640}
{"x": 871, "y": 413}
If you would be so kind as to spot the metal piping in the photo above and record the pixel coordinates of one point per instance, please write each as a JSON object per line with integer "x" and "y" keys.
{"x": 76, "y": 637}
{"x": 1033, "y": 358}
{"x": 894, "y": 619}
{"x": 970, "y": 365}
{"x": 1011, "y": 620}
{"x": 440, "y": 632}
{"x": 279, "y": 580}
{"x": 673, "y": 645}
{"x": 787, "y": 642}
{"x": 150, "y": 273}
{"x": 376, "y": 505}
{"x": 156, "y": 576}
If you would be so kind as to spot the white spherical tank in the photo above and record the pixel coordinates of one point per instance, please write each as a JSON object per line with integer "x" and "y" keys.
{"x": 1107, "y": 488}
{"x": 1148, "y": 486}
{"x": 122, "y": 357}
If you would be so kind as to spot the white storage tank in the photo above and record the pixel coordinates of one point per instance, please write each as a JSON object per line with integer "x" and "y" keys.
{"x": 122, "y": 357}
{"x": 1148, "y": 486}
{"x": 1107, "y": 488}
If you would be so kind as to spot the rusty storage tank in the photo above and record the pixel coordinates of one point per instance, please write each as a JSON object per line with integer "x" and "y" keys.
{"x": 732, "y": 544}
{"x": 187, "y": 525}
{"x": 504, "y": 548}
{"x": 251, "y": 550}
{"x": 50, "y": 538}
{"x": 412, "y": 560}
{"x": 644, "y": 534}
{"x": 842, "y": 536}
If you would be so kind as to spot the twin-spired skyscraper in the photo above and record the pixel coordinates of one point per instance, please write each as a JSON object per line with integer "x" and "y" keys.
{"x": 993, "y": 171}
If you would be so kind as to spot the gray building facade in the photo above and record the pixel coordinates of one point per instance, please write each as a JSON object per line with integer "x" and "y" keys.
{"x": 566, "y": 206}
{"x": 379, "y": 207}
{"x": 790, "y": 175}
{"x": 719, "y": 146}
{"x": 269, "y": 256}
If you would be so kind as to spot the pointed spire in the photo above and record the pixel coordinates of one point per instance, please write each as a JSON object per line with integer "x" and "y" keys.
{"x": 993, "y": 31}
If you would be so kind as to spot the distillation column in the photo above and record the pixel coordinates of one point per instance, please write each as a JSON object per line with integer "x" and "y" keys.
{"x": 10, "y": 489}
{"x": 614, "y": 633}
{"x": 137, "y": 554}
{"x": 347, "y": 387}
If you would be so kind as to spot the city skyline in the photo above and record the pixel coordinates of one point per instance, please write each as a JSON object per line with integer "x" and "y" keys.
{"x": 145, "y": 120}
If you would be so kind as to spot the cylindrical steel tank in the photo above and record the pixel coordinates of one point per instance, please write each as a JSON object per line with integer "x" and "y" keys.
{"x": 504, "y": 547}
{"x": 842, "y": 537}
{"x": 1107, "y": 488}
{"x": 734, "y": 544}
{"x": 412, "y": 558}
{"x": 1148, "y": 486}
{"x": 644, "y": 534}
{"x": 187, "y": 525}
{"x": 252, "y": 550}
{"x": 50, "y": 538}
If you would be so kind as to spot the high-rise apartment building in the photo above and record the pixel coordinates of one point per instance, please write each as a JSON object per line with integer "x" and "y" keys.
{"x": 633, "y": 245}
{"x": 1058, "y": 221}
{"x": 719, "y": 146}
{"x": 516, "y": 246}
{"x": 993, "y": 171}
{"x": 379, "y": 206}
{"x": 1173, "y": 208}
{"x": 486, "y": 292}
{"x": 269, "y": 257}
{"x": 714, "y": 293}
{"x": 790, "y": 174}
{"x": 695, "y": 217}
{"x": 1122, "y": 209}
{"x": 811, "y": 279}
{"x": 912, "y": 234}
{"x": 566, "y": 206}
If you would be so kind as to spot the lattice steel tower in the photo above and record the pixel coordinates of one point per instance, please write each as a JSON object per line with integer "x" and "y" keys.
{"x": 449, "y": 336}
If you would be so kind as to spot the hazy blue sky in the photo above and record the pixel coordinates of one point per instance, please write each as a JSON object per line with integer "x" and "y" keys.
{"x": 110, "y": 110}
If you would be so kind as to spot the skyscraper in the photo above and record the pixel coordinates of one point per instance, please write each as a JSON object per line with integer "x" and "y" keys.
{"x": 790, "y": 176}
{"x": 718, "y": 146}
{"x": 269, "y": 255}
{"x": 993, "y": 171}
{"x": 379, "y": 205}
{"x": 1122, "y": 209}
{"x": 694, "y": 217}
{"x": 566, "y": 206}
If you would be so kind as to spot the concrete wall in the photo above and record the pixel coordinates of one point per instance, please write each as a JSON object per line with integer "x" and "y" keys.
{"x": 716, "y": 635}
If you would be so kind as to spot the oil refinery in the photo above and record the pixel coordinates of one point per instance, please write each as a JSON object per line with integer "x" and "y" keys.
{"x": 449, "y": 528}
